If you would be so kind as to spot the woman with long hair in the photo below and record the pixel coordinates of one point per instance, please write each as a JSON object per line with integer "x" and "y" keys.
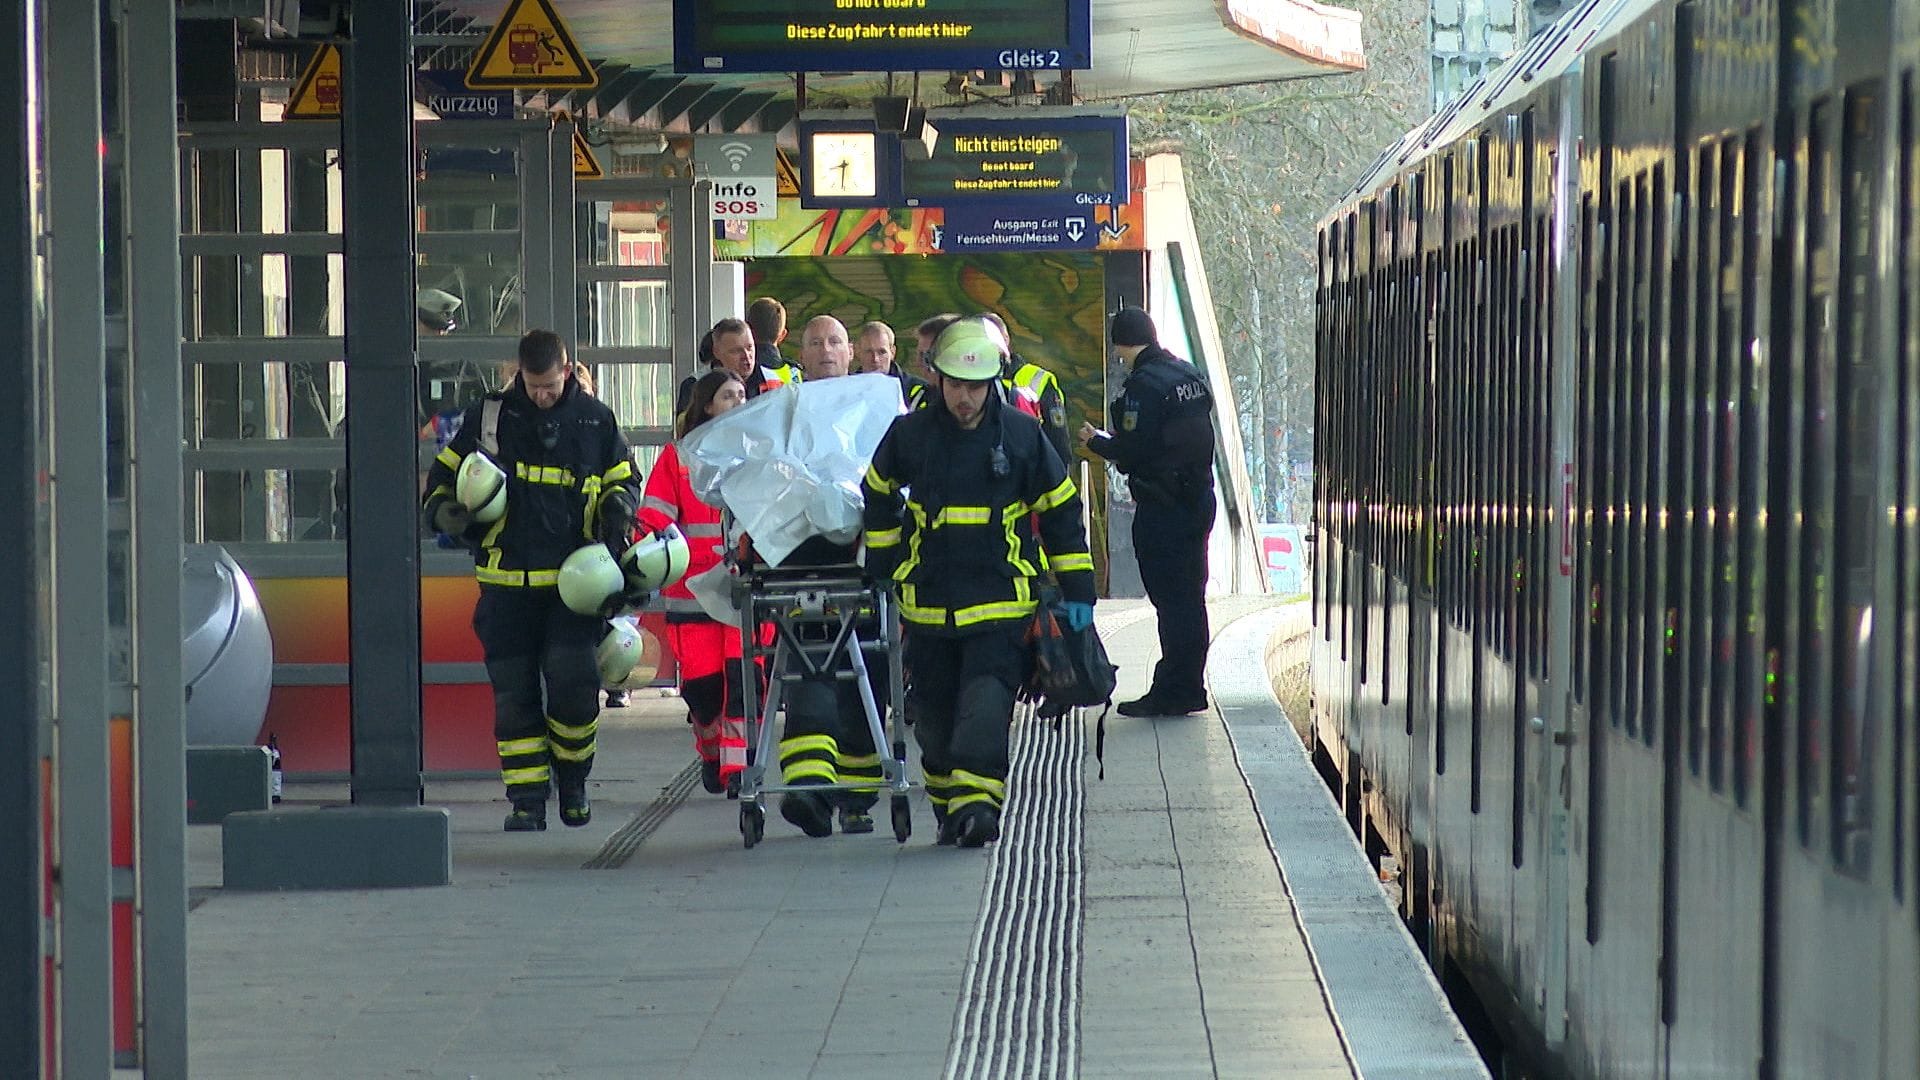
{"x": 708, "y": 652}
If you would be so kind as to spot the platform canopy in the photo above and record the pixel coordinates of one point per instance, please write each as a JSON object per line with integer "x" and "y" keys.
{"x": 1139, "y": 47}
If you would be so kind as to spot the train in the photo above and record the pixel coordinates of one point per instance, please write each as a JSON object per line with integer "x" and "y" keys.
{"x": 1616, "y": 539}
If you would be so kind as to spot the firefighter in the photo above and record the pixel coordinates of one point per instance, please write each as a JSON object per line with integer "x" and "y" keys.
{"x": 569, "y": 481}
{"x": 1162, "y": 439}
{"x": 708, "y": 652}
{"x": 954, "y": 496}
{"x": 1043, "y": 388}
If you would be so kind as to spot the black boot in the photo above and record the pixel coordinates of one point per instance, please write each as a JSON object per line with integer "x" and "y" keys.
{"x": 808, "y": 812}
{"x": 529, "y": 815}
{"x": 855, "y": 820}
{"x": 943, "y": 835}
{"x": 976, "y": 826}
{"x": 575, "y": 810}
{"x": 710, "y": 777}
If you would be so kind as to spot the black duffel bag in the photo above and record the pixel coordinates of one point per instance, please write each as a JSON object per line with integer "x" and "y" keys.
{"x": 1070, "y": 671}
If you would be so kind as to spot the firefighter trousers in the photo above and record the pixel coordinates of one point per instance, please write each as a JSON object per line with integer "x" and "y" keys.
{"x": 826, "y": 738}
{"x": 546, "y": 687}
{"x": 962, "y": 704}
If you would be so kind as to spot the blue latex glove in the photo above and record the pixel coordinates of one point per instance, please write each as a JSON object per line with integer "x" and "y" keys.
{"x": 1077, "y": 615}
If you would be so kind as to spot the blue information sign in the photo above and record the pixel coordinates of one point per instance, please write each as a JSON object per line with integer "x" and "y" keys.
{"x": 449, "y": 98}
{"x": 1014, "y": 225}
{"x": 711, "y": 36}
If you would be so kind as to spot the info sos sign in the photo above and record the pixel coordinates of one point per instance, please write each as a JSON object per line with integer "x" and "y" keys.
{"x": 752, "y": 198}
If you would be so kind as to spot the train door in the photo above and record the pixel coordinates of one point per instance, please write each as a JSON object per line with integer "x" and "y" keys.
{"x": 1619, "y": 881}
{"x": 1712, "y": 908}
{"x": 1830, "y": 885}
{"x": 1903, "y": 927}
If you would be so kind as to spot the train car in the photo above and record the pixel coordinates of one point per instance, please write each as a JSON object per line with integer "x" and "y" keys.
{"x": 1617, "y": 582}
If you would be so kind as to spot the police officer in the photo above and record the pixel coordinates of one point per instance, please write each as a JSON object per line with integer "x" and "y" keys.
{"x": 570, "y": 481}
{"x": 1162, "y": 440}
{"x": 953, "y": 497}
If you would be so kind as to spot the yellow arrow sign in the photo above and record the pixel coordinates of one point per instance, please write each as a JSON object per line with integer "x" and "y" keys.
{"x": 317, "y": 95}
{"x": 530, "y": 48}
{"x": 585, "y": 165}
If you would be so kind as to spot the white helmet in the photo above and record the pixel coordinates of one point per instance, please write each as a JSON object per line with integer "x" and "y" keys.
{"x": 589, "y": 578}
{"x": 481, "y": 487}
{"x": 657, "y": 561}
{"x": 620, "y": 657}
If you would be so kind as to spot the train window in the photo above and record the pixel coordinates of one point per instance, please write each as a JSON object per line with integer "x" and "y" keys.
{"x": 1814, "y": 689}
{"x": 1725, "y": 462}
{"x": 1659, "y": 447}
{"x": 1631, "y": 445}
{"x": 1686, "y": 682}
{"x": 1581, "y": 635}
{"x": 1906, "y": 596}
{"x": 1857, "y": 394}
{"x": 1747, "y": 406}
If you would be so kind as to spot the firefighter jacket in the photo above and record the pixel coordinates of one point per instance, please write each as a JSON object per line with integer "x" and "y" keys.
{"x": 1049, "y": 399}
{"x": 669, "y": 499}
{"x": 951, "y": 513}
{"x": 563, "y": 465}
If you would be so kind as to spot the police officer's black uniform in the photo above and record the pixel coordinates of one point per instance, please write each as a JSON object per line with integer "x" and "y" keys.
{"x": 949, "y": 520}
{"x": 1163, "y": 441}
{"x": 570, "y": 481}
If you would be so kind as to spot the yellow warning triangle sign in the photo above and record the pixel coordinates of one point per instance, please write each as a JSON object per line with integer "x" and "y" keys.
{"x": 585, "y": 165}
{"x": 530, "y": 48}
{"x": 317, "y": 95}
{"x": 786, "y": 179}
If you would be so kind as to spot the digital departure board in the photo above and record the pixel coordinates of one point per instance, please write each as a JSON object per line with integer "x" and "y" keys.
{"x": 1064, "y": 161}
{"x": 880, "y": 35}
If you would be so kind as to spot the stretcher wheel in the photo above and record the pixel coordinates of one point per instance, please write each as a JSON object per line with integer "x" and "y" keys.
{"x": 753, "y": 823}
{"x": 902, "y": 819}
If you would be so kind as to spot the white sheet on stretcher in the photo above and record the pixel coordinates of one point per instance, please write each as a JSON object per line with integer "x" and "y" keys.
{"x": 788, "y": 464}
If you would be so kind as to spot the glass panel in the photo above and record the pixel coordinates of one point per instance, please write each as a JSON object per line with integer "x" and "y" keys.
{"x": 626, "y": 232}
{"x": 641, "y": 395}
{"x": 490, "y": 289}
{"x": 276, "y": 505}
{"x": 631, "y": 313}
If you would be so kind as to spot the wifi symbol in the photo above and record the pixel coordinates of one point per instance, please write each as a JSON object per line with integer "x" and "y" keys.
{"x": 735, "y": 153}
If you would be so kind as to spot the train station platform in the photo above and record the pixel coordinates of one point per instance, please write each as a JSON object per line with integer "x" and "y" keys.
{"x": 1199, "y": 912}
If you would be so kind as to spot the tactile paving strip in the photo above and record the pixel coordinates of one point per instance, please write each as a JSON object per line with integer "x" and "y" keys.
{"x": 1019, "y": 1013}
{"x": 627, "y": 838}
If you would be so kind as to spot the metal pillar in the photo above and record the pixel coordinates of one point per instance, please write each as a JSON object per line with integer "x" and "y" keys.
{"x": 83, "y": 945}
{"x": 151, "y": 216}
{"x": 21, "y": 875}
{"x": 383, "y": 544}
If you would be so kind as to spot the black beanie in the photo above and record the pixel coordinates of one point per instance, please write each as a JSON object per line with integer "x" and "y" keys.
{"x": 1131, "y": 326}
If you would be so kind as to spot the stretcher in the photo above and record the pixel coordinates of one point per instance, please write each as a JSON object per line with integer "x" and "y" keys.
{"x": 826, "y": 620}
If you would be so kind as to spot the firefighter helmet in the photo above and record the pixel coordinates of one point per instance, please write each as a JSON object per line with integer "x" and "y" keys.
{"x": 619, "y": 657}
{"x": 971, "y": 350}
{"x": 657, "y": 561}
{"x": 481, "y": 487}
{"x": 589, "y": 578}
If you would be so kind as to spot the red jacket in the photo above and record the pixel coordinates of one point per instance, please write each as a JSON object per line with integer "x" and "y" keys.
{"x": 669, "y": 498}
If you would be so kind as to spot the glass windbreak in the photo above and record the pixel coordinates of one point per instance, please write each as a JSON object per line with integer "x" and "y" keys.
{"x": 625, "y": 232}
